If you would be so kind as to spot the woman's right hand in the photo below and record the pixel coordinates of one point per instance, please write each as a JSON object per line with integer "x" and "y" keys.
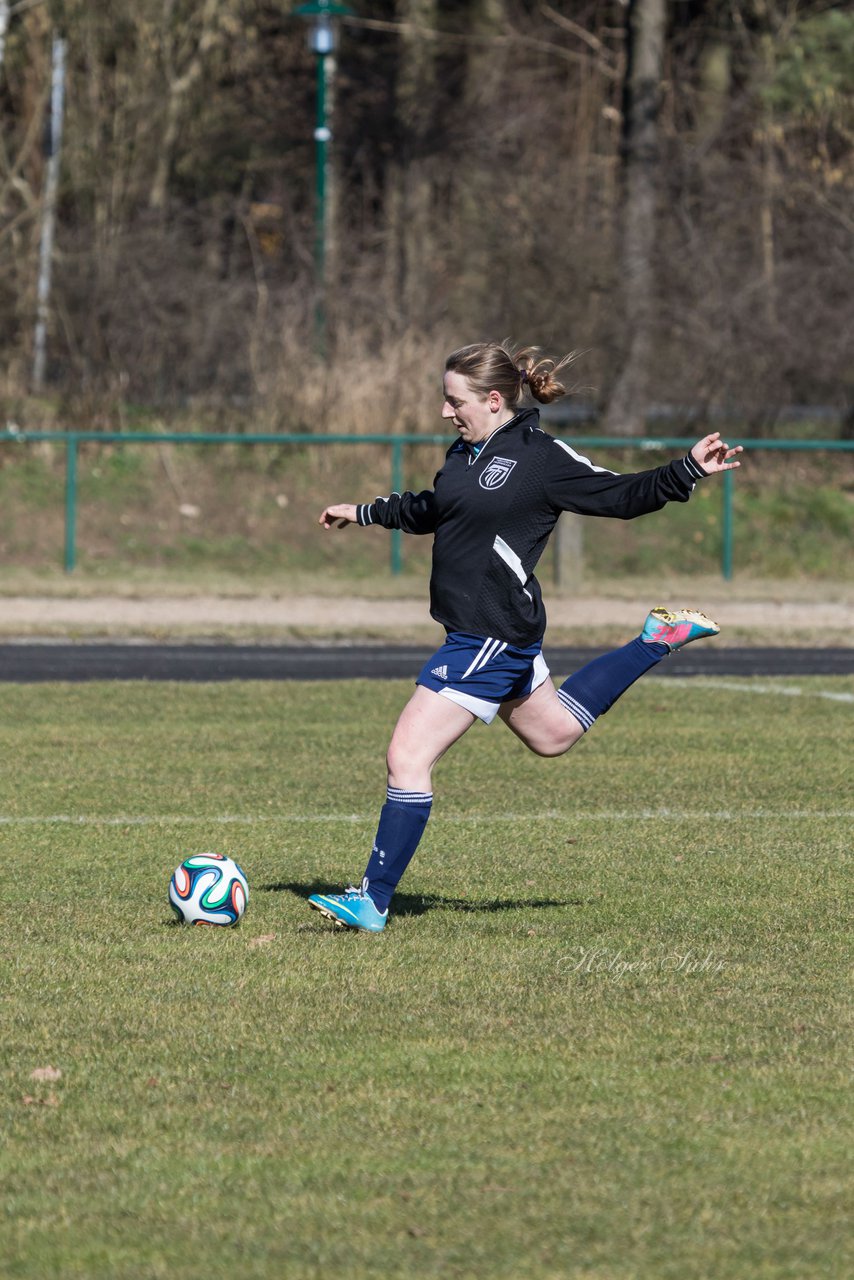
{"x": 339, "y": 516}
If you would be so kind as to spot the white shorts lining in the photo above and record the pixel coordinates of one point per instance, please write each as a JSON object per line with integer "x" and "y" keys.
{"x": 482, "y": 707}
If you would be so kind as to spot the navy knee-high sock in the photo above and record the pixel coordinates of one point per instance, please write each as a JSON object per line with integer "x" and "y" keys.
{"x": 592, "y": 690}
{"x": 402, "y": 821}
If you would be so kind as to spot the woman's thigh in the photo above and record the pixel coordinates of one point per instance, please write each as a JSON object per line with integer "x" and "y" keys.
{"x": 541, "y": 721}
{"x": 428, "y": 725}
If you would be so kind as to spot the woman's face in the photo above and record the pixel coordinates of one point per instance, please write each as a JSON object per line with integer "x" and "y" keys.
{"x": 473, "y": 417}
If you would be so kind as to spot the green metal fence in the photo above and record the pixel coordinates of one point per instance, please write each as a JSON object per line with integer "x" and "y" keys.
{"x": 72, "y": 440}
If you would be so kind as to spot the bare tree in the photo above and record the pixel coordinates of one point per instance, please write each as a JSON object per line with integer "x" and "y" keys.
{"x": 26, "y": 88}
{"x": 4, "y": 27}
{"x": 625, "y": 413}
{"x": 409, "y": 174}
{"x": 481, "y": 183}
{"x": 184, "y": 62}
{"x": 48, "y": 217}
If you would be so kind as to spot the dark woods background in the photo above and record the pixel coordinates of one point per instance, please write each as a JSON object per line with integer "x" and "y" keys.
{"x": 666, "y": 186}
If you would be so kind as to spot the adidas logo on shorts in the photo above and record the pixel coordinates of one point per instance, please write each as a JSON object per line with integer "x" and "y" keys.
{"x": 441, "y": 673}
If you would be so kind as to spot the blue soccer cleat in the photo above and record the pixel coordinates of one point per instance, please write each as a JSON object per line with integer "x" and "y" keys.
{"x": 677, "y": 627}
{"x": 353, "y": 909}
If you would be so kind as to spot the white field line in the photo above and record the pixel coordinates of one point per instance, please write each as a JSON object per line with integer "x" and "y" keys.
{"x": 745, "y": 686}
{"x": 549, "y": 815}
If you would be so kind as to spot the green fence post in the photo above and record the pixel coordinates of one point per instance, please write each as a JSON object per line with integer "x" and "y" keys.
{"x": 396, "y": 487}
{"x": 70, "y": 503}
{"x": 727, "y": 539}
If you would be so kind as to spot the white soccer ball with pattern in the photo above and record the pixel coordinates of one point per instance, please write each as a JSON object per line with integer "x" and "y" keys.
{"x": 209, "y": 888}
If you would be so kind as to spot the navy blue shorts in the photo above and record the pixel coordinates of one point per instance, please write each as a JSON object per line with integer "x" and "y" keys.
{"x": 479, "y": 673}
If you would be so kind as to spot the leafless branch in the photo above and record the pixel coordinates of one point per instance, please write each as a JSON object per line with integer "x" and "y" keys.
{"x": 512, "y": 40}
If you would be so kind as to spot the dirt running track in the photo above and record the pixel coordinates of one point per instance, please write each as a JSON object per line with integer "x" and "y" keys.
{"x": 299, "y": 637}
{"x": 350, "y": 615}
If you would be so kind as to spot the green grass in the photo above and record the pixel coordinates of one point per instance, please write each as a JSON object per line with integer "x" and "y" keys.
{"x": 603, "y": 1035}
{"x": 252, "y": 512}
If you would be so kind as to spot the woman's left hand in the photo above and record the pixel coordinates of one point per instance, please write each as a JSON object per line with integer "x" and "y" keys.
{"x": 714, "y": 454}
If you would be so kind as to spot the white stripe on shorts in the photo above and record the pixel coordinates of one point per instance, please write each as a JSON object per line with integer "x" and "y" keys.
{"x": 488, "y": 650}
{"x": 483, "y": 708}
{"x": 480, "y": 707}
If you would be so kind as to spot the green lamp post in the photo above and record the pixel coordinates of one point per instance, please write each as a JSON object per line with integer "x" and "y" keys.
{"x": 323, "y": 16}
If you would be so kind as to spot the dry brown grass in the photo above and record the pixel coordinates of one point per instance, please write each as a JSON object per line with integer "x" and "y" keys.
{"x": 364, "y": 390}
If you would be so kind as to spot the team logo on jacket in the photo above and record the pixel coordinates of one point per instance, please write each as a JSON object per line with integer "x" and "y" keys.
{"x": 496, "y": 473}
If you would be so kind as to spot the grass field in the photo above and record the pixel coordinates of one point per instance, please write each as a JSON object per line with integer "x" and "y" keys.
{"x": 604, "y": 1035}
{"x": 252, "y": 512}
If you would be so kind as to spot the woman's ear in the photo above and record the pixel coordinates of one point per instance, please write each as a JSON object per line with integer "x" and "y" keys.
{"x": 494, "y": 401}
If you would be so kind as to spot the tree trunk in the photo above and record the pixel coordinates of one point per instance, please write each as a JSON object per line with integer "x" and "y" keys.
{"x": 485, "y": 66}
{"x": 48, "y": 221}
{"x": 179, "y": 86}
{"x": 4, "y": 27}
{"x": 769, "y": 184}
{"x": 626, "y": 411}
{"x": 409, "y": 180}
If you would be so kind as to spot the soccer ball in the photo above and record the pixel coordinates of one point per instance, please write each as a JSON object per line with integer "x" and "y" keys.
{"x": 208, "y": 888}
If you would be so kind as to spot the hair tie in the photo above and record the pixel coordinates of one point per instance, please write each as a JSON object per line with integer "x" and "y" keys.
{"x": 523, "y": 374}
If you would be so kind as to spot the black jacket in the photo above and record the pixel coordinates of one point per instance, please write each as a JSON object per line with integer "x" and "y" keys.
{"x": 491, "y": 517}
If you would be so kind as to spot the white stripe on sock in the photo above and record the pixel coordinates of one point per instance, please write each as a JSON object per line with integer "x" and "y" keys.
{"x": 581, "y": 714}
{"x": 401, "y": 796}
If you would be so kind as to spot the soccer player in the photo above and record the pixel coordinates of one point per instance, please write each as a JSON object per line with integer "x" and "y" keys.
{"x": 491, "y": 510}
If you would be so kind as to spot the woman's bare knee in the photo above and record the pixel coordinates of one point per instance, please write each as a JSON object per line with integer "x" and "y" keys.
{"x": 542, "y": 722}
{"x": 405, "y": 770}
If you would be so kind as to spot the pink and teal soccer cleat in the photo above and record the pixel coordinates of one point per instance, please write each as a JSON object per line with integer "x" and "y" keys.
{"x": 352, "y": 909}
{"x": 677, "y": 627}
